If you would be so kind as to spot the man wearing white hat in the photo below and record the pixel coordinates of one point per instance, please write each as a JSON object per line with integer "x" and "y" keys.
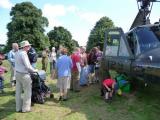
{"x": 23, "y": 80}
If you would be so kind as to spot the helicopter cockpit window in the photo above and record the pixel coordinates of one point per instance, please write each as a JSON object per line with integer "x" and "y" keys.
{"x": 112, "y": 44}
{"x": 123, "y": 49}
{"x": 147, "y": 38}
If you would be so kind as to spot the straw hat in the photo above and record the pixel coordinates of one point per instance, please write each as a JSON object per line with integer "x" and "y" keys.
{"x": 24, "y": 44}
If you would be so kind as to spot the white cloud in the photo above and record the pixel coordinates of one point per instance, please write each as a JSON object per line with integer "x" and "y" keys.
{"x": 91, "y": 17}
{"x": 81, "y": 36}
{"x": 53, "y": 12}
{"x": 3, "y": 38}
{"x": 6, "y": 4}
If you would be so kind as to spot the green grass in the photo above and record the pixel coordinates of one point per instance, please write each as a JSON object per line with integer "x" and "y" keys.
{"x": 143, "y": 104}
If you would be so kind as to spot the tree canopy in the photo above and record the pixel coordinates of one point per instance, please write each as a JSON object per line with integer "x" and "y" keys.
{"x": 27, "y": 23}
{"x": 97, "y": 34}
{"x": 61, "y": 36}
{"x": 75, "y": 43}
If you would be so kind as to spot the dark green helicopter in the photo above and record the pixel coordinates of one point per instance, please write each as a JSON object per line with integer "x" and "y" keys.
{"x": 137, "y": 52}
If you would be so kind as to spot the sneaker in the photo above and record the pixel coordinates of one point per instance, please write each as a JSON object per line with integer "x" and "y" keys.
{"x": 65, "y": 99}
{"x": 60, "y": 98}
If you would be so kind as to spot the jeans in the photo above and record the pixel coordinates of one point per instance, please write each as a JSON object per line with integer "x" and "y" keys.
{"x": 1, "y": 83}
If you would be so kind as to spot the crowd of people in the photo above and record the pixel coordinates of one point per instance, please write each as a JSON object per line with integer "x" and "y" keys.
{"x": 74, "y": 71}
{"x": 71, "y": 71}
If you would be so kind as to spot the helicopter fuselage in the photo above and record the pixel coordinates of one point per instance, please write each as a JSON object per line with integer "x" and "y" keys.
{"x": 135, "y": 53}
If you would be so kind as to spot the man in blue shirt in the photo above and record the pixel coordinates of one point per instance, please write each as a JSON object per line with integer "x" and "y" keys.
{"x": 63, "y": 67}
{"x": 11, "y": 59}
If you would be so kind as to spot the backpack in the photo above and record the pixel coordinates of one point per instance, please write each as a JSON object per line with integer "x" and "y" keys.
{"x": 32, "y": 55}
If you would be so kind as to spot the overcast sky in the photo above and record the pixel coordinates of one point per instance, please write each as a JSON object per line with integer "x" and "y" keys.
{"x": 79, "y": 16}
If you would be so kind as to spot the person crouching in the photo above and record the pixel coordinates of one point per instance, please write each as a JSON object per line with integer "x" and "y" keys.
{"x": 108, "y": 87}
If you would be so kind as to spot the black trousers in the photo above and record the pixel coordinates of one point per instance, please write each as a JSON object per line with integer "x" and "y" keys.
{"x": 104, "y": 90}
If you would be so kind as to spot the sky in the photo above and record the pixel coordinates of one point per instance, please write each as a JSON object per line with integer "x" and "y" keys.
{"x": 78, "y": 16}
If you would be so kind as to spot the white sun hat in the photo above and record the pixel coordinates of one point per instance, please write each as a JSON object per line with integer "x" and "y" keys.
{"x": 24, "y": 44}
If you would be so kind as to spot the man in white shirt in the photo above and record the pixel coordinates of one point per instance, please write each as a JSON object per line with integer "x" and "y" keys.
{"x": 23, "y": 80}
{"x": 11, "y": 59}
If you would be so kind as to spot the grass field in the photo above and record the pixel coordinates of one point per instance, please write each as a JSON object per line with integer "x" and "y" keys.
{"x": 143, "y": 104}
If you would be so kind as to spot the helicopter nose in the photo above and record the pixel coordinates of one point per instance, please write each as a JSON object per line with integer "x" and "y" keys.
{"x": 154, "y": 55}
{"x": 151, "y": 56}
{"x": 149, "y": 62}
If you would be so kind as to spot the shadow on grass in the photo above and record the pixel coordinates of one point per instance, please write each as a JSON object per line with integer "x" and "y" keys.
{"x": 89, "y": 103}
{"x": 8, "y": 93}
{"x": 7, "y": 109}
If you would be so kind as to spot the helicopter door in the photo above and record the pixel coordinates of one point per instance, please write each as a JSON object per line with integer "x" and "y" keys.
{"x": 111, "y": 47}
{"x": 124, "y": 55}
{"x": 116, "y": 50}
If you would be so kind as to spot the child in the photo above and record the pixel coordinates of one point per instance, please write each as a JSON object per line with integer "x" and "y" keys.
{"x": 107, "y": 89}
{"x": 2, "y": 71}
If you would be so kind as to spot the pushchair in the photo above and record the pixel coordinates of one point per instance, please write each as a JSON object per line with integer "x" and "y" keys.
{"x": 39, "y": 90}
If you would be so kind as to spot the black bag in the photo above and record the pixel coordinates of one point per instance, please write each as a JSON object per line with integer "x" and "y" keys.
{"x": 38, "y": 97}
{"x": 32, "y": 55}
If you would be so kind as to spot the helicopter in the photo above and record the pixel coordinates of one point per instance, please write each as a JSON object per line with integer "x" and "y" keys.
{"x": 135, "y": 53}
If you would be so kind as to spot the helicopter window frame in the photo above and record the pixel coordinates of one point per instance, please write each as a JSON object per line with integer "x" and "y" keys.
{"x": 113, "y": 43}
{"x": 133, "y": 43}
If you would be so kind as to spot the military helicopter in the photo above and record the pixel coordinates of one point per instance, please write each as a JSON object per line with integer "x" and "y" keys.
{"x": 135, "y": 53}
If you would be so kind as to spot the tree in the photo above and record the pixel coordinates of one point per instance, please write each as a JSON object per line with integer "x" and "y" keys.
{"x": 61, "y": 36}
{"x": 2, "y": 46}
{"x": 97, "y": 34}
{"x": 27, "y": 23}
{"x": 75, "y": 43}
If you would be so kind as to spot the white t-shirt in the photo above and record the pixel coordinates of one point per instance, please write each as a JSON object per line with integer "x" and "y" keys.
{"x": 52, "y": 56}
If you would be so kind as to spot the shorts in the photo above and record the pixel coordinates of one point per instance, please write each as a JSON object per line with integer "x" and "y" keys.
{"x": 64, "y": 83}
